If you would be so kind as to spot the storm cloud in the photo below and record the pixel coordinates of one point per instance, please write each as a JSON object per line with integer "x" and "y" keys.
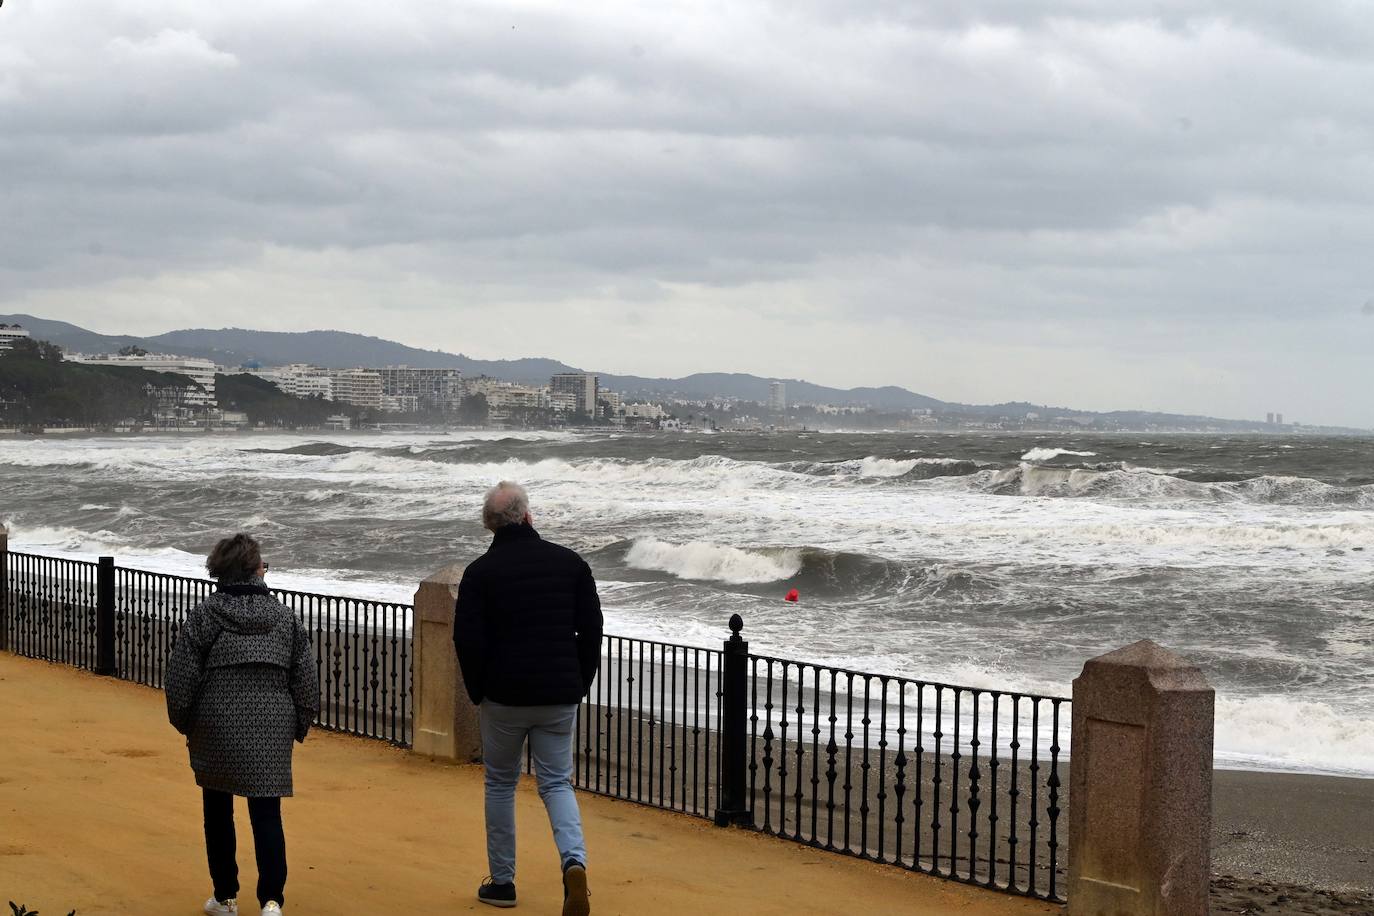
{"x": 1136, "y": 204}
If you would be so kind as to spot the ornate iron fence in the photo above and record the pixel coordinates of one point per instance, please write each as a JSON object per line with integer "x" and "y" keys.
{"x": 964, "y": 783}
{"x": 649, "y": 729}
{"x": 50, "y": 608}
{"x": 123, "y": 622}
{"x": 959, "y": 782}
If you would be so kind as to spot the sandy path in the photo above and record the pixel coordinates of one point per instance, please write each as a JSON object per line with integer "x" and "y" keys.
{"x": 99, "y": 811}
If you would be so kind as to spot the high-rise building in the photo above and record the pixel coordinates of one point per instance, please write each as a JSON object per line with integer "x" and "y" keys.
{"x": 777, "y": 397}
{"x": 1278, "y": 418}
{"x": 581, "y": 385}
{"x": 1269, "y": 418}
{"x": 430, "y": 389}
{"x": 359, "y": 387}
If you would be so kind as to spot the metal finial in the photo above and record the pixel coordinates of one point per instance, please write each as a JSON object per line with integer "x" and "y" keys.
{"x": 736, "y": 624}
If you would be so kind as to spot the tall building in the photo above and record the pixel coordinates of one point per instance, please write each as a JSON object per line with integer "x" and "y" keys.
{"x": 777, "y": 397}
{"x": 9, "y": 333}
{"x": 1269, "y": 418}
{"x": 581, "y": 385}
{"x": 359, "y": 387}
{"x": 428, "y": 389}
{"x": 1278, "y": 418}
{"x": 200, "y": 371}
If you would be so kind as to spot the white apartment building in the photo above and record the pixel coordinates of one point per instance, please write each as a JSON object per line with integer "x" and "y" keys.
{"x": 9, "y": 333}
{"x": 644, "y": 412}
{"x": 359, "y": 387}
{"x": 508, "y": 395}
{"x": 200, "y": 371}
{"x": 299, "y": 381}
{"x": 777, "y": 397}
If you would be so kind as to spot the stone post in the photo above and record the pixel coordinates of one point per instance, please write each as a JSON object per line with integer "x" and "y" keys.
{"x": 446, "y": 724}
{"x": 1140, "y": 770}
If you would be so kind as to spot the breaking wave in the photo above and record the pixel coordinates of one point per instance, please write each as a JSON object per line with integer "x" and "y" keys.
{"x": 713, "y": 562}
{"x": 814, "y": 571}
{"x": 1049, "y": 454}
{"x": 1145, "y": 484}
{"x": 1260, "y": 731}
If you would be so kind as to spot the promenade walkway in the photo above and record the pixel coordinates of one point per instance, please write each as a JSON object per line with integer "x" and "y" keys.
{"x": 99, "y": 812}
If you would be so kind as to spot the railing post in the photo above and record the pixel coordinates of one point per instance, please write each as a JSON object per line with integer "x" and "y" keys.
{"x": 734, "y": 807}
{"x": 105, "y": 617}
{"x": 1140, "y": 823}
{"x": 446, "y": 722}
{"x": 4, "y": 589}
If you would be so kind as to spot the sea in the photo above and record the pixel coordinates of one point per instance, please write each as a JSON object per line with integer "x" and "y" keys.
{"x": 990, "y": 560}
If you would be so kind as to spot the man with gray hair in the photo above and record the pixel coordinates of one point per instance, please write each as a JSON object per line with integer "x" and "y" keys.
{"x": 527, "y": 629}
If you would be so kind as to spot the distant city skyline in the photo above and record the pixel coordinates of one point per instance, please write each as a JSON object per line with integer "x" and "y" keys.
{"x": 1152, "y": 204}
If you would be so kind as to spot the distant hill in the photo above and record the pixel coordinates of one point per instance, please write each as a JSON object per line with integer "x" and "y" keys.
{"x": 339, "y": 349}
{"x": 335, "y": 349}
{"x": 754, "y": 388}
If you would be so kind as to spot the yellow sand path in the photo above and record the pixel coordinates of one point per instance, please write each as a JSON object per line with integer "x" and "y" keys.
{"x": 99, "y": 812}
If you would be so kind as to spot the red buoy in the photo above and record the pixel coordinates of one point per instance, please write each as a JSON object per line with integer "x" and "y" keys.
{"x": 793, "y": 595}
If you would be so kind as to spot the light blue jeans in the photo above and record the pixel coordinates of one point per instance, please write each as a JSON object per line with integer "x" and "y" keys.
{"x": 550, "y": 733}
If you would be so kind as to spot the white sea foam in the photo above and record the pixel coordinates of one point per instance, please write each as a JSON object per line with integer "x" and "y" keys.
{"x": 1047, "y": 454}
{"x": 885, "y": 467}
{"x": 714, "y": 562}
{"x": 1290, "y": 733}
{"x": 1129, "y": 532}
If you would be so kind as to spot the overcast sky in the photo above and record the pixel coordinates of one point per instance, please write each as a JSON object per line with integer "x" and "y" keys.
{"x": 1162, "y": 205}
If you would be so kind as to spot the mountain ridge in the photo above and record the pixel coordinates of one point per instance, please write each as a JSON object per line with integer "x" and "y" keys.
{"x": 344, "y": 349}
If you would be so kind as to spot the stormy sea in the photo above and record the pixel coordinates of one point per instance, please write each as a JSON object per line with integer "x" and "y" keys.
{"x": 989, "y": 560}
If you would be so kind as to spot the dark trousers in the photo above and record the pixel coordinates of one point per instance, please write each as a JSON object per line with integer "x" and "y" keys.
{"x": 269, "y": 843}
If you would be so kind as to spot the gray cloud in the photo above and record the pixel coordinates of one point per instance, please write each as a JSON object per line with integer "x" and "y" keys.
{"x": 1048, "y": 189}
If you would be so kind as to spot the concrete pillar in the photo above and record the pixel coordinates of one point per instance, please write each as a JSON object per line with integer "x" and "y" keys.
{"x": 1140, "y": 772}
{"x": 446, "y": 724}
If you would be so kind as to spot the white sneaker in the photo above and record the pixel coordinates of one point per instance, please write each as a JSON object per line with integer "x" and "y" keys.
{"x": 228, "y": 907}
{"x": 273, "y": 908}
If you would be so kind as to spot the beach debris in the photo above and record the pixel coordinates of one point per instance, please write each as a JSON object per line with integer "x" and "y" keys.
{"x": 793, "y": 595}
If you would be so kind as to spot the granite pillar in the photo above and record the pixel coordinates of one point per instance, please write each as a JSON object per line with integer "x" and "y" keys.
{"x": 1141, "y": 782}
{"x": 446, "y": 724}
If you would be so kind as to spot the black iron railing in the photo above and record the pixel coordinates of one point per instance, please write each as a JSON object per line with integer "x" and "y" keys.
{"x": 50, "y": 608}
{"x": 958, "y": 782}
{"x": 649, "y": 728}
{"x": 964, "y": 783}
{"x": 124, "y": 622}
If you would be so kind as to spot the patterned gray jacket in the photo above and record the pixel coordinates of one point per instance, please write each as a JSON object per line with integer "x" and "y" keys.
{"x": 241, "y": 686}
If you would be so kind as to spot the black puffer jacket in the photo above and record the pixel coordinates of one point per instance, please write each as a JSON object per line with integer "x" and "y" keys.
{"x": 527, "y": 625}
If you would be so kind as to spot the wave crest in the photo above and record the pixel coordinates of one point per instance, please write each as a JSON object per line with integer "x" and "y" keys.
{"x": 714, "y": 562}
